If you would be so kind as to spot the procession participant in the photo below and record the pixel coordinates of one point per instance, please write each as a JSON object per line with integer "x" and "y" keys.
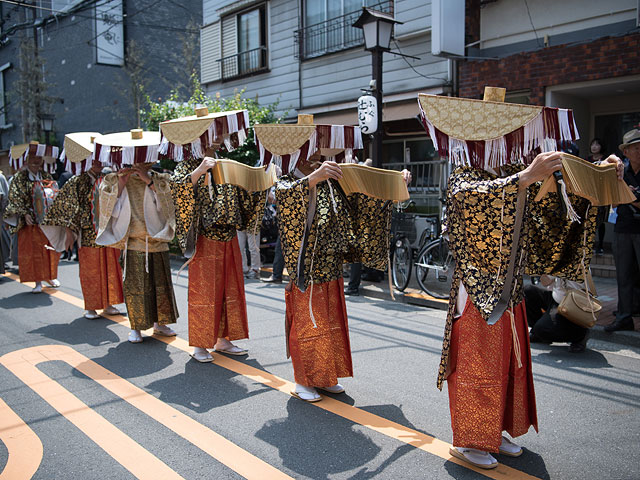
{"x": 496, "y": 235}
{"x": 321, "y": 229}
{"x": 75, "y": 215}
{"x": 137, "y": 216}
{"x": 207, "y": 217}
{"x": 31, "y": 193}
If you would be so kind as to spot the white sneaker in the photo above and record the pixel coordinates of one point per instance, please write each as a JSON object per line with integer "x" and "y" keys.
{"x": 37, "y": 288}
{"x": 135, "y": 336}
{"x": 111, "y": 310}
{"x": 477, "y": 458}
{"x": 91, "y": 314}
{"x": 507, "y": 447}
{"x": 308, "y": 394}
{"x": 55, "y": 283}
{"x": 201, "y": 355}
{"x": 337, "y": 388}
{"x": 163, "y": 330}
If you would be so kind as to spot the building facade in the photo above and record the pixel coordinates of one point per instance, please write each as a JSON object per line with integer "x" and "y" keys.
{"x": 576, "y": 54}
{"x": 306, "y": 55}
{"x": 97, "y": 59}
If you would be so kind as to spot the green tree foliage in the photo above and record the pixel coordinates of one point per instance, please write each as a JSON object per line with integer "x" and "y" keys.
{"x": 175, "y": 106}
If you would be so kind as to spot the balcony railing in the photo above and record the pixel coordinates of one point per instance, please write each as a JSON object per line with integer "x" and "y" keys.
{"x": 334, "y": 34}
{"x": 244, "y": 63}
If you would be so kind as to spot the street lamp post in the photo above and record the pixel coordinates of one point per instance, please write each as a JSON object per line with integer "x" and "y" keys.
{"x": 376, "y": 27}
{"x": 46, "y": 124}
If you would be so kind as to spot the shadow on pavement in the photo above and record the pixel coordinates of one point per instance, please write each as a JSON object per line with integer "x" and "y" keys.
{"x": 130, "y": 360}
{"x": 303, "y": 444}
{"x": 80, "y": 331}
{"x": 203, "y": 387}
{"x": 26, "y": 300}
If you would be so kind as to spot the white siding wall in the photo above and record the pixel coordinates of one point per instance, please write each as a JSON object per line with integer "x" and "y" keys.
{"x": 549, "y": 17}
{"x": 338, "y": 77}
{"x": 210, "y": 53}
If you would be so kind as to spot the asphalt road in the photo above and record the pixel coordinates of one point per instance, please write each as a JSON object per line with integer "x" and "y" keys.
{"x": 104, "y": 408}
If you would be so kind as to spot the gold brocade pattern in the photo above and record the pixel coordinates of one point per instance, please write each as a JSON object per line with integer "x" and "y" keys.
{"x": 35, "y": 262}
{"x": 217, "y": 304}
{"x": 488, "y": 392}
{"x": 100, "y": 277}
{"x": 72, "y": 208}
{"x": 231, "y": 209}
{"x": 357, "y": 231}
{"x": 21, "y": 197}
{"x": 470, "y": 119}
{"x": 319, "y": 355}
{"x": 149, "y": 296}
{"x": 481, "y": 212}
{"x": 283, "y": 139}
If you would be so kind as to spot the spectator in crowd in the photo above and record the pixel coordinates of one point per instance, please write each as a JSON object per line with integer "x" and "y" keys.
{"x": 597, "y": 149}
{"x": 626, "y": 247}
{"x": 547, "y": 325}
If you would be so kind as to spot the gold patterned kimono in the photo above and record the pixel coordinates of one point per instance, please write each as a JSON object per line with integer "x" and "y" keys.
{"x": 36, "y": 262}
{"x": 207, "y": 217}
{"x": 77, "y": 207}
{"x": 488, "y": 365}
{"x": 142, "y": 223}
{"x": 340, "y": 229}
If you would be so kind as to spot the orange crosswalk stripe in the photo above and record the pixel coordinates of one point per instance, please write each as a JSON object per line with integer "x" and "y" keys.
{"x": 373, "y": 422}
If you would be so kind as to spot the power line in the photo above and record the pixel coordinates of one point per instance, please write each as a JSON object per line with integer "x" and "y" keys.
{"x": 535, "y": 32}
{"x": 429, "y": 77}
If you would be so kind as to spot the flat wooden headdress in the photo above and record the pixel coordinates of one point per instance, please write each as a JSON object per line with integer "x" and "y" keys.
{"x": 127, "y": 148}
{"x": 18, "y": 155}
{"x": 189, "y": 137}
{"x": 77, "y": 154}
{"x": 489, "y": 133}
{"x": 286, "y": 145}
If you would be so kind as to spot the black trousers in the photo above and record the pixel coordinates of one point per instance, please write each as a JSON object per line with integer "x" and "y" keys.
{"x": 626, "y": 252}
{"x": 545, "y": 321}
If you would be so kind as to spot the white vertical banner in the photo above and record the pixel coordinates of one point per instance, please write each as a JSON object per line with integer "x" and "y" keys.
{"x": 110, "y": 33}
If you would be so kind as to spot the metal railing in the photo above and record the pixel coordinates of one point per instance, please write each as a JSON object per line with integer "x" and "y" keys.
{"x": 428, "y": 181}
{"x": 334, "y": 34}
{"x": 244, "y": 63}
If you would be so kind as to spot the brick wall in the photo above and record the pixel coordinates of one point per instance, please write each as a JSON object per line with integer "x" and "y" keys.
{"x": 607, "y": 57}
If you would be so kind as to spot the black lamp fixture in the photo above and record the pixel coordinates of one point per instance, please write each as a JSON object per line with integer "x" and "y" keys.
{"x": 377, "y": 28}
{"x": 46, "y": 123}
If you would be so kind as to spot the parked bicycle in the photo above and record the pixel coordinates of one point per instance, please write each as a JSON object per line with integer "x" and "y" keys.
{"x": 435, "y": 265}
{"x": 403, "y": 231}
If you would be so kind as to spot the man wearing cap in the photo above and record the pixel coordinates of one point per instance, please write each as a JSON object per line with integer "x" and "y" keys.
{"x": 75, "y": 212}
{"x": 137, "y": 216}
{"x": 30, "y": 193}
{"x": 627, "y": 236}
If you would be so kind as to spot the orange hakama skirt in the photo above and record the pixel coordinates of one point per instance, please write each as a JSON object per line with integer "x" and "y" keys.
{"x": 36, "y": 263}
{"x": 217, "y": 304}
{"x": 322, "y": 354}
{"x": 100, "y": 277}
{"x": 488, "y": 391}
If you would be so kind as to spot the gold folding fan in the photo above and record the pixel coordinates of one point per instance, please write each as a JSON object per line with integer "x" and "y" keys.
{"x": 597, "y": 183}
{"x": 374, "y": 182}
{"x": 252, "y": 179}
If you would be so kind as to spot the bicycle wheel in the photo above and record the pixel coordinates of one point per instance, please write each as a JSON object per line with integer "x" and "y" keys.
{"x": 401, "y": 263}
{"x": 434, "y": 268}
